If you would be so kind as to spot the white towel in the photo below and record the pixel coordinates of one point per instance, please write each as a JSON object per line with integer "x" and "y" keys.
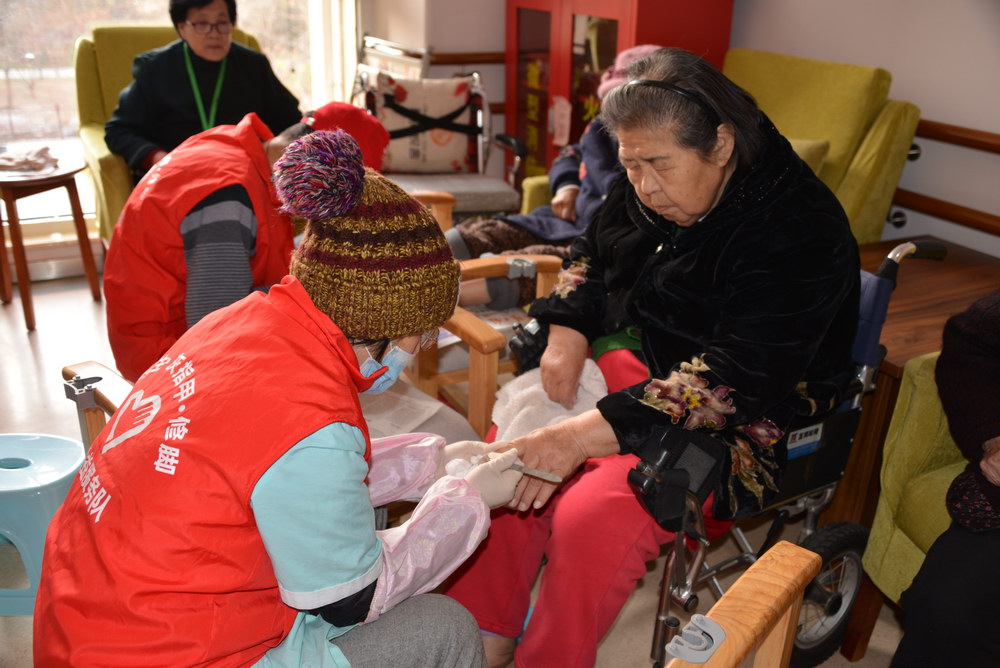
{"x": 522, "y": 404}
{"x": 31, "y": 160}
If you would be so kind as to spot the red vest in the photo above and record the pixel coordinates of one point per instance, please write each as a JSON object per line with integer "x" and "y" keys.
{"x": 155, "y": 558}
{"x": 145, "y": 276}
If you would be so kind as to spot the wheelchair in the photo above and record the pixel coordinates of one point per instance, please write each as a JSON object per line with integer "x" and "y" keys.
{"x": 818, "y": 448}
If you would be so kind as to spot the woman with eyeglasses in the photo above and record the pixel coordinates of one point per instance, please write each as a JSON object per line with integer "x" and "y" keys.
{"x": 718, "y": 275}
{"x": 195, "y": 83}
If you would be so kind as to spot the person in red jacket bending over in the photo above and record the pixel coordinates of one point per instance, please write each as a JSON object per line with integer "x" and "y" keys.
{"x": 202, "y": 230}
{"x": 224, "y": 517}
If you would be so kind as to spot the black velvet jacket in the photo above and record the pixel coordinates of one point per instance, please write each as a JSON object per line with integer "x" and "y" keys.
{"x": 158, "y": 109}
{"x": 735, "y": 311}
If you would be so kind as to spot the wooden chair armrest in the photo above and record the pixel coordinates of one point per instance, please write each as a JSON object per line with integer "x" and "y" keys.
{"x": 111, "y": 390}
{"x": 479, "y": 334}
{"x": 496, "y": 265}
{"x": 761, "y": 610}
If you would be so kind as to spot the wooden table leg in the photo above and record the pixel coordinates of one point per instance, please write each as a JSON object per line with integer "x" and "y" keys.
{"x": 6, "y": 282}
{"x": 867, "y": 606}
{"x": 86, "y": 252}
{"x": 20, "y": 261}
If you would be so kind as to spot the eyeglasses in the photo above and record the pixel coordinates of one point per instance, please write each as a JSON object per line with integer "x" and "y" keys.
{"x": 203, "y": 28}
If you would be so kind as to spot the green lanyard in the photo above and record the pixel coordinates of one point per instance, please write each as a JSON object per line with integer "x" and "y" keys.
{"x": 209, "y": 122}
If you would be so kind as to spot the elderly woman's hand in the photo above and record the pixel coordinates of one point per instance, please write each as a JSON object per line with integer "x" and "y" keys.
{"x": 990, "y": 463}
{"x": 560, "y": 449}
{"x": 562, "y": 364}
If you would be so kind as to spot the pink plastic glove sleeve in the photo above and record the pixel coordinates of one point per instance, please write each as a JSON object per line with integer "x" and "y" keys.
{"x": 444, "y": 530}
{"x": 403, "y": 467}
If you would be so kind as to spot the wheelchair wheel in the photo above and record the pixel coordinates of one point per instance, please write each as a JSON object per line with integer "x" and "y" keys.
{"x": 829, "y": 598}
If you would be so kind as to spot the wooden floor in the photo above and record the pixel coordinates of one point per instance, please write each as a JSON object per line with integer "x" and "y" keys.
{"x": 71, "y": 328}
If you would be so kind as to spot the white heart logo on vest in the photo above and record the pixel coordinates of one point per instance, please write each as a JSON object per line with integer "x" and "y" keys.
{"x": 140, "y": 412}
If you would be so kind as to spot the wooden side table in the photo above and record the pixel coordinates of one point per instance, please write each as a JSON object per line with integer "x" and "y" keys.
{"x": 927, "y": 293}
{"x": 14, "y": 186}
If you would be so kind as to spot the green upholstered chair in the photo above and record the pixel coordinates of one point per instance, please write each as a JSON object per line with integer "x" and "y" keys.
{"x": 103, "y": 64}
{"x": 919, "y": 462}
{"x": 813, "y": 101}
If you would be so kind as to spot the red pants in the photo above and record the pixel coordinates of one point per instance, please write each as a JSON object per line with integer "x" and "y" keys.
{"x": 597, "y": 538}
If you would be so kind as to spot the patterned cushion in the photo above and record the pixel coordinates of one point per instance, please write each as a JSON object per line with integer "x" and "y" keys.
{"x": 436, "y": 150}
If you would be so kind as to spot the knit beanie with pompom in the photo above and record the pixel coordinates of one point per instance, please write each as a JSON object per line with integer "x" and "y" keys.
{"x": 372, "y": 257}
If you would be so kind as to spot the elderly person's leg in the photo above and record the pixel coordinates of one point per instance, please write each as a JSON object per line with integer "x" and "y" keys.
{"x": 427, "y": 631}
{"x": 477, "y": 237}
{"x": 495, "y": 583}
{"x": 950, "y": 609}
{"x": 602, "y": 538}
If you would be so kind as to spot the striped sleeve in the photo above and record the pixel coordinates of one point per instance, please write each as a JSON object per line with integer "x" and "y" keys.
{"x": 219, "y": 236}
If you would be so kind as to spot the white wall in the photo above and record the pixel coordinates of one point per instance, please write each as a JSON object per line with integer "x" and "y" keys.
{"x": 400, "y": 21}
{"x": 447, "y": 26}
{"x": 944, "y": 56}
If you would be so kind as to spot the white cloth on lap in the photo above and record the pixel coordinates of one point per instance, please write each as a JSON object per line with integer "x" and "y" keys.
{"x": 522, "y": 404}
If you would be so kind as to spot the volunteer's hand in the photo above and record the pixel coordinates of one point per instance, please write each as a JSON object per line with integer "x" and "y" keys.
{"x": 564, "y": 203}
{"x": 562, "y": 364}
{"x": 990, "y": 463}
{"x": 461, "y": 450}
{"x": 495, "y": 480}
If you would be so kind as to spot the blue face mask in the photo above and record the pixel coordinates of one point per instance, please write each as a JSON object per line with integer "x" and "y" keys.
{"x": 395, "y": 360}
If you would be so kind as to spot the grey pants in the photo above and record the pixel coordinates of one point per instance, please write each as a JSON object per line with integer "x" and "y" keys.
{"x": 426, "y": 631}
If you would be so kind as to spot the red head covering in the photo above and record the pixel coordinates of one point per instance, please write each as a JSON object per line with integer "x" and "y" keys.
{"x": 367, "y": 130}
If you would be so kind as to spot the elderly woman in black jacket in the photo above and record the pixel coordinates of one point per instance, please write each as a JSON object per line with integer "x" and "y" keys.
{"x": 735, "y": 270}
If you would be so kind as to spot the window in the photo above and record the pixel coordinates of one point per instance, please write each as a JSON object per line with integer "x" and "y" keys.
{"x": 37, "y": 87}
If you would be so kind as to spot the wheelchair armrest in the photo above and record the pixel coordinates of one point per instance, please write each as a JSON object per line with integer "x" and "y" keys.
{"x": 512, "y": 144}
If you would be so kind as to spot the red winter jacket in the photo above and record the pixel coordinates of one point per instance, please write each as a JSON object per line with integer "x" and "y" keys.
{"x": 155, "y": 558}
{"x": 145, "y": 273}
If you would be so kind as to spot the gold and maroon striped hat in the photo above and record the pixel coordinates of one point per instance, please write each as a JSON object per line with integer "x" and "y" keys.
{"x": 372, "y": 257}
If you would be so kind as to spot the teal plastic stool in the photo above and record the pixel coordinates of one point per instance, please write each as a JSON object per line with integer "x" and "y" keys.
{"x": 36, "y": 471}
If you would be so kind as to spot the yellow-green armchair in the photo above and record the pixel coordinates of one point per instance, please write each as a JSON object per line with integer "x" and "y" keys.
{"x": 103, "y": 64}
{"x": 919, "y": 462}
{"x": 814, "y": 101}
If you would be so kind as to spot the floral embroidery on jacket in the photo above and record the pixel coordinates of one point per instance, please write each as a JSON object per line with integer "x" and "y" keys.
{"x": 763, "y": 433}
{"x": 747, "y": 469}
{"x": 685, "y": 393}
{"x": 753, "y": 461}
{"x": 572, "y": 277}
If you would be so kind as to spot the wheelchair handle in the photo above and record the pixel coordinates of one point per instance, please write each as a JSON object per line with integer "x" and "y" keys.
{"x": 511, "y": 143}
{"x": 921, "y": 250}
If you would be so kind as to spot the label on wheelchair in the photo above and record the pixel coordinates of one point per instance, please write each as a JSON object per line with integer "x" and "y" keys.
{"x": 804, "y": 441}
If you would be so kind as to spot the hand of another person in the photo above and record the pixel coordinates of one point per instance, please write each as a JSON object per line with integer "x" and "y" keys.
{"x": 560, "y": 449}
{"x": 562, "y": 364}
{"x": 990, "y": 463}
{"x": 495, "y": 480}
{"x": 564, "y": 203}
{"x": 153, "y": 157}
{"x": 464, "y": 450}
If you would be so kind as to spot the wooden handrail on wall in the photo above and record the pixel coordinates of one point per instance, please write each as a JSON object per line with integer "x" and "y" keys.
{"x": 954, "y": 134}
{"x": 477, "y": 58}
{"x": 956, "y": 213}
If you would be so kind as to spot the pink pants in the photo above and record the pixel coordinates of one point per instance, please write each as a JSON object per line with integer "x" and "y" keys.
{"x": 597, "y": 538}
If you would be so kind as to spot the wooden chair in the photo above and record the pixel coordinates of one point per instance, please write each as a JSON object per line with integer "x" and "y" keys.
{"x": 760, "y": 611}
{"x": 484, "y": 341}
{"x": 98, "y": 391}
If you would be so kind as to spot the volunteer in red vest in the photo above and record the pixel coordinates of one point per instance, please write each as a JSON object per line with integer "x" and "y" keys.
{"x": 202, "y": 229}
{"x": 225, "y": 517}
